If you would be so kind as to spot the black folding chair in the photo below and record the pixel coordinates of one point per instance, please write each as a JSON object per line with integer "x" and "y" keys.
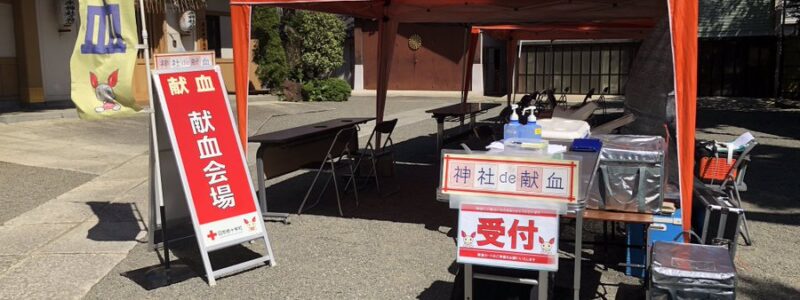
{"x": 734, "y": 183}
{"x": 563, "y": 99}
{"x": 585, "y": 99}
{"x": 339, "y": 156}
{"x": 374, "y": 154}
{"x": 551, "y": 98}
{"x": 588, "y": 96}
{"x": 602, "y": 99}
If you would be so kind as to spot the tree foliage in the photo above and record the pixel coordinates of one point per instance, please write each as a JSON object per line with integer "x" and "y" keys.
{"x": 269, "y": 54}
{"x": 314, "y": 44}
{"x": 296, "y": 47}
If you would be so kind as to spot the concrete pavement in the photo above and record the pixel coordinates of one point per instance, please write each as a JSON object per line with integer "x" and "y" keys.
{"x": 62, "y": 247}
{"x": 65, "y": 245}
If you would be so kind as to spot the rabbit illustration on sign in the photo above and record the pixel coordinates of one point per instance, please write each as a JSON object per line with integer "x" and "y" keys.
{"x": 468, "y": 239}
{"x": 105, "y": 92}
{"x": 547, "y": 248}
{"x": 251, "y": 225}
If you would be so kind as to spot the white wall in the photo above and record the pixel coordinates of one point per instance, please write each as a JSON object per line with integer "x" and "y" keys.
{"x": 7, "y": 46}
{"x": 55, "y": 49}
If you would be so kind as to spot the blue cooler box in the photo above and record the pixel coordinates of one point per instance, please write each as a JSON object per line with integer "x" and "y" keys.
{"x": 665, "y": 228}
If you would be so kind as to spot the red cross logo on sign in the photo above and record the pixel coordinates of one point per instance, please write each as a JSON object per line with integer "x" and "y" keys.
{"x": 211, "y": 235}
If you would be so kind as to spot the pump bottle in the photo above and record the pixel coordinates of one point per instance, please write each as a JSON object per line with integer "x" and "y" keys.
{"x": 511, "y": 130}
{"x": 530, "y": 130}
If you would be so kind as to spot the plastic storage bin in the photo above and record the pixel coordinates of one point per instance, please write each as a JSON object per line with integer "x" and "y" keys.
{"x": 560, "y": 129}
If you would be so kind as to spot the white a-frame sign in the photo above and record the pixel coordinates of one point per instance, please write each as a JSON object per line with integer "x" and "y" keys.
{"x": 194, "y": 108}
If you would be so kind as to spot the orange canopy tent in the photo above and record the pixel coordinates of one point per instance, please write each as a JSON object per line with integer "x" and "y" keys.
{"x": 581, "y": 18}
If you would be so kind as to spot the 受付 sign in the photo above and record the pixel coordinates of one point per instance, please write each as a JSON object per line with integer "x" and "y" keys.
{"x": 509, "y": 176}
{"x": 210, "y": 160}
{"x": 184, "y": 60}
{"x": 512, "y": 237}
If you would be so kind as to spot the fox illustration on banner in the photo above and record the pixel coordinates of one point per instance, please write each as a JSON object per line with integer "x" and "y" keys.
{"x": 104, "y": 58}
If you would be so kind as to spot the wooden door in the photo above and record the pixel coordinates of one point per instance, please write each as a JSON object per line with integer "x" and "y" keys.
{"x": 9, "y": 85}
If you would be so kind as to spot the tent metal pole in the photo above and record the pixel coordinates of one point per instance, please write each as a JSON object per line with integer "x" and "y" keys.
{"x": 465, "y": 51}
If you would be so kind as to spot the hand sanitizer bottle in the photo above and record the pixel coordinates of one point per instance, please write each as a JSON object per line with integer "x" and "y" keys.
{"x": 511, "y": 130}
{"x": 531, "y": 130}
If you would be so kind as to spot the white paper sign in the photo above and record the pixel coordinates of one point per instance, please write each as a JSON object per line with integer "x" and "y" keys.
{"x": 509, "y": 237}
{"x": 526, "y": 178}
{"x": 182, "y": 60}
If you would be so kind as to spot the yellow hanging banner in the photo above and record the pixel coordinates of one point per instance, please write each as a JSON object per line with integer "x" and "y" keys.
{"x": 104, "y": 58}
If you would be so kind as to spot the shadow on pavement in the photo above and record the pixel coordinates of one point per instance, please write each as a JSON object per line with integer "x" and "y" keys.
{"x": 438, "y": 290}
{"x": 415, "y": 181}
{"x": 117, "y": 221}
{"x": 756, "y": 288}
{"x": 767, "y": 172}
{"x": 186, "y": 263}
{"x": 782, "y": 123}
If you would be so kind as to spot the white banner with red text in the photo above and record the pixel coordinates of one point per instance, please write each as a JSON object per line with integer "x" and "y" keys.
{"x": 508, "y": 236}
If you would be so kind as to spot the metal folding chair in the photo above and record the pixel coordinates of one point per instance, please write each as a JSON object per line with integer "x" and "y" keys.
{"x": 734, "y": 183}
{"x": 588, "y": 97}
{"x": 602, "y": 99}
{"x": 338, "y": 156}
{"x": 550, "y": 94}
{"x": 373, "y": 154}
{"x": 563, "y": 99}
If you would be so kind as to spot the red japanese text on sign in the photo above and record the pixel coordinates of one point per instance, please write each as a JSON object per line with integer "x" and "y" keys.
{"x": 205, "y": 141}
{"x": 503, "y": 236}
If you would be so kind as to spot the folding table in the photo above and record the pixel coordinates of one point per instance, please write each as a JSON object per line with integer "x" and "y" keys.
{"x": 288, "y": 150}
{"x": 460, "y": 110}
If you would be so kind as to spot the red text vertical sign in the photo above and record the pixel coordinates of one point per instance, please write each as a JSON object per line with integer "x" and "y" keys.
{"x": 214, "y": 173}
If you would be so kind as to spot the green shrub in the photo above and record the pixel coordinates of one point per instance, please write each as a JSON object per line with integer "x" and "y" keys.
{"x": 331, "y": 89}
{"x": 269, "y": 54}
{"x": 314, "y": 44}
{"x": 298, "y": 46}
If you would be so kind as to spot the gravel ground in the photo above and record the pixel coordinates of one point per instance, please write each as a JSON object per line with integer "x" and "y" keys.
{"x": 23, "y": 190}
{"x": 401, "y": 246}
